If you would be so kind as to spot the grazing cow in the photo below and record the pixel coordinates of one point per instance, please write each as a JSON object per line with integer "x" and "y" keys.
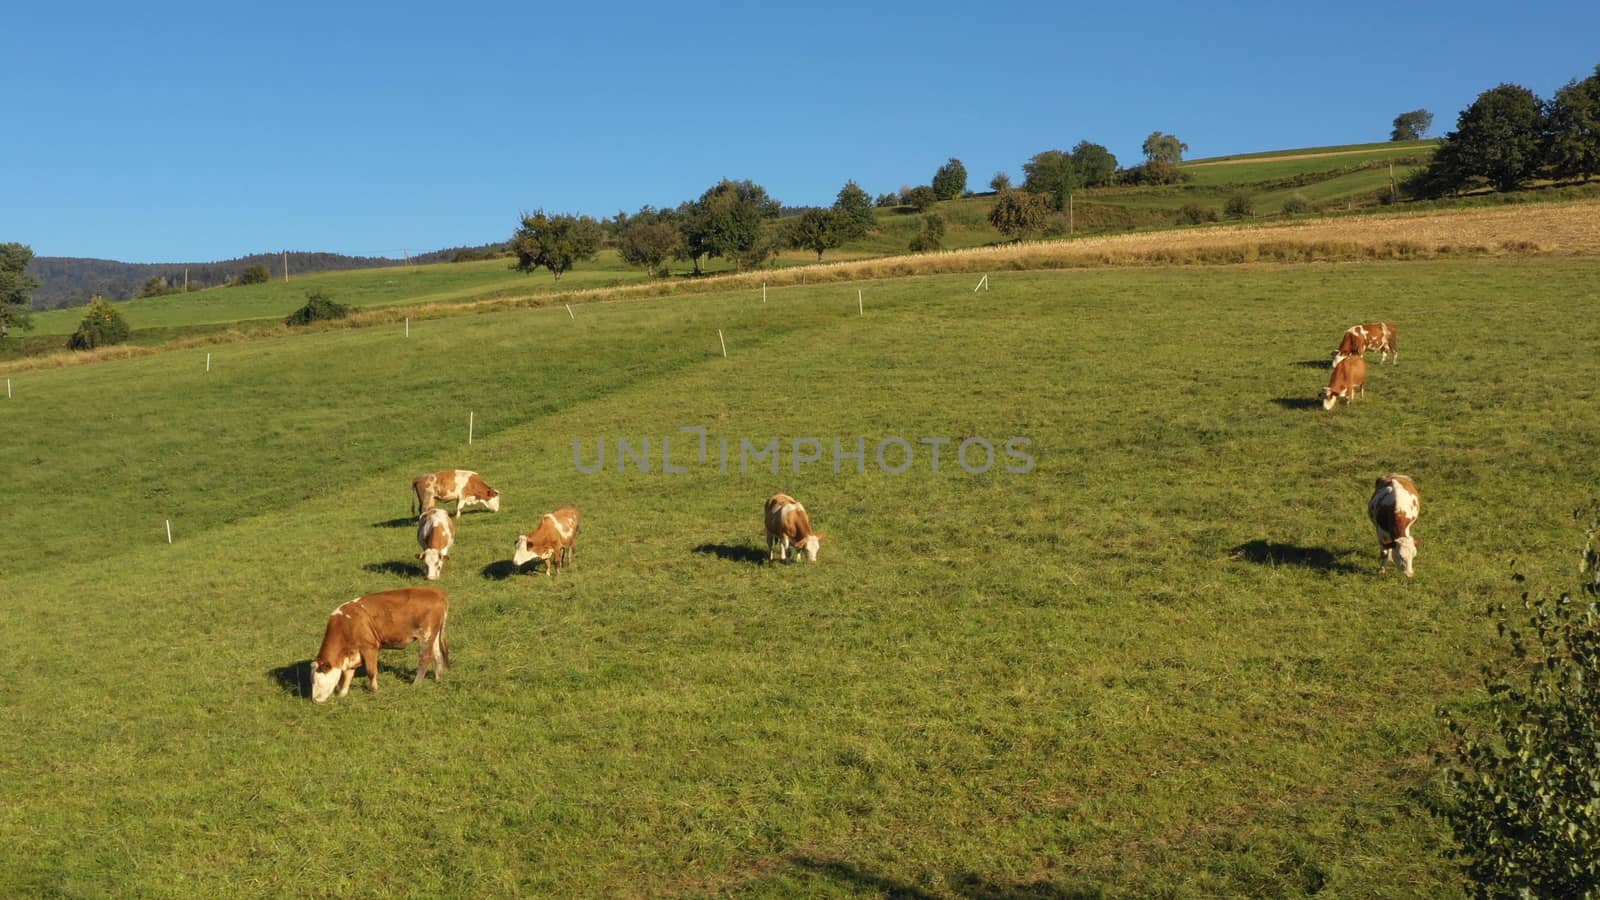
{"x": 436, "y": 533}
{"x": 1394, "y": 506}
{"x": 788, "y": 525}
{"x": 1349, "y": 376}
{"x": 460, "y": 485}
{"x": 390, "y": 620}
{"x": 1379, "y": 336}
{"x": 552, "y": 541}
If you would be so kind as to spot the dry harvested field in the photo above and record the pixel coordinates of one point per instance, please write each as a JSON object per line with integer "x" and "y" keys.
{"x": 1365, "y": 151}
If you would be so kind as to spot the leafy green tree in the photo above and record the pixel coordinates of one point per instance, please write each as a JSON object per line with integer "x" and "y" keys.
{"x": 888, "y": 201}
{"x": 319, "y": 307}
{"x": 649, "y": 240}
{"x": 1573, "y": 128}
{"x": 102, "y": 326}
{"x": 1411, "y": 126}
{"x": 815, "y": 230}
{"x": 256, "y": 274}
{"x": 921, "y": 198}
{"x": 15, "y": 285}
{"x": 727, "y": 221}
{"x": 555, "y": 242}
{"x": 1239, "y": 206}
{"x": 931, "y": 237}
{"x": 1164, "y": 148}
{"x": 1000, "y": 183}
{"x": 950, "y": 181}
{"x": 1498, "y": 137}
{"x": 1095, "y": 165}
{"x": 1019, "y": 213}
{"x": 853, "y": 217}
{"x": 1051, "y": 174}
{"x": 1524, "y": 798}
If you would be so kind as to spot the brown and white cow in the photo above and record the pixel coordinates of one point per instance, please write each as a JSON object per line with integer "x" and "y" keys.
{"x": 436, "y": 534}
{"x": 1349, "y": 376}
{"x": 460, "y": 485}
{"x": 789, "y": 525}
{"x": 1394, "y": 506}
{"x": 1379, "y": 336}
{"x": 552, "y": 541}
{"x": 390, "y": 620}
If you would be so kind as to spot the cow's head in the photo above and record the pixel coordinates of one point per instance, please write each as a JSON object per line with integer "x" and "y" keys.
{"x": 1404, "y": 554}
{"x": 324, "y": 678}
{"x": 432, "y": 563}
{"x": 524, "y": 552}
{"x": 1329, "y": 398}
{"x": 493, "y": 502}
{"x": 810, "y": 545}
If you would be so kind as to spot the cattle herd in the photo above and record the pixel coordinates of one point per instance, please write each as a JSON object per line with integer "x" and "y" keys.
{"x": 358, "y": 629}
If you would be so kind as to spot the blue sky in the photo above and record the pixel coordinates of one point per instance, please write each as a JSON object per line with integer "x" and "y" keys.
{"x": 168, "y": 132}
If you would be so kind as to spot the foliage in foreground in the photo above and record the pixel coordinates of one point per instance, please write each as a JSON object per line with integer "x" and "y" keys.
{"x": 1526, "y": 794}
{"x": 15, "y": 284}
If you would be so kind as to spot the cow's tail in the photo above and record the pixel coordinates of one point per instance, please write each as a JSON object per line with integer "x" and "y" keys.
{"x": 444, "y": 645}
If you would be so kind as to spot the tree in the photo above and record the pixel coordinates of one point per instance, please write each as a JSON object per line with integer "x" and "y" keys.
{"x": 921, "y": 198}
{"x": 257, "y": 274}
{"x": 950, "y": 181}
{"x": 1019, "y": 213}
{"x": 1573, "y": 128}
{"x": 319, "y": 306}
{"x": 1164, "y": 148}
{"x": 1524, "y": 799}
{"x": 816, "y": 230}
{"x": 1000, "y": 183}
{"x": 1051, "y": 174}
{"x": 931, "y": 237}
{"x": 1498, "y": 137}
{"x": 1411, "y": 126}
{"x": 1240, "y": 206}
{"x": 102, "y": 326}
{"x": 727, "y": 221}
{"x": 554, "y": 242}
{"x": 853, "y": 212}
{"x": 648, "y": 240}
{"x": 888, "y": 200}
{"x": 15, "y": 285}
{"x": 1095, "y": 165}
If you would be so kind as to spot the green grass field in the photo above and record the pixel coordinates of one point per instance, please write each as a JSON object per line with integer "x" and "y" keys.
{"x": 1159, "y": 663}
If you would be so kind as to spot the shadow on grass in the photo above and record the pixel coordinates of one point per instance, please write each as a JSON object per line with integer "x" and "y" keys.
{"x": 1268, "y": 553}
{"x": 500, "y": 570}
{"x": 1324, "y": 363}
{"x": 395, "y": 567}
{"x": 970, "y": 886}
{"x": 294, "y": 679}
{"x": 1298, "y": 402}
{"x": 733, "y": 553}
{"x": 408, "y": 522}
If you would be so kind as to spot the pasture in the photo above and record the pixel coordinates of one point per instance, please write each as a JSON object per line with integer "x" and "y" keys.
{"x": 1158, "y": 663}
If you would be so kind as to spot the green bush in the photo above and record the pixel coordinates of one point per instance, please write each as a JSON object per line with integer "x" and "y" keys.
{"x": 921, "y": 198}
{"x": 1524, "y": 799}
{"x": 102, "y": 326}
{"x": 1296, "y": 204}
{"x": 255, "y": 275}
{"x": 1239, "y": 206}
{"x": 932, "y": 235}
{"x": 1195, "y": 214}
{"x": 318, "y": 308}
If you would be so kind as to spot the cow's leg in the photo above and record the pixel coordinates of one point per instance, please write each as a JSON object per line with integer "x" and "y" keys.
{"x": 424, "y": 656}
{"x": 769, "y": 546}
{"x": 369, "y": 659}
{"x": 344, "y": 681}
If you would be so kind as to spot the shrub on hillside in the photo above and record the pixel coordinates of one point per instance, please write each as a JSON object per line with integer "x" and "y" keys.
{"x": 1524, "y": 798}
{"x": 102, "y": 326}
{"x": 921, "y": 198}
{"x": 1239, "y": 206}
{"x": 318, "y": 307}
{"x": 1155, "y": 172}
{"x": 1296, "y": 204}
{"x": 1195, "y": 214}
{"x": 255, "y": 275}
{"x": 887, "y": 201}
{"x": 931, "y": 237}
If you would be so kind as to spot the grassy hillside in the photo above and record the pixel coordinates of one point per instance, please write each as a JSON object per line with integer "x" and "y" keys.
{"x": 1159, "y": 662}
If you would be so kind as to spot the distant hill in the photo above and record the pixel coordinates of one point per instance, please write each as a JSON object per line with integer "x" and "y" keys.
{"x": 69, "y": 281}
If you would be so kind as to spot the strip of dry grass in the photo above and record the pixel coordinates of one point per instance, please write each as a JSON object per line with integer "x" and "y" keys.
{"x": 1567, "y": 229}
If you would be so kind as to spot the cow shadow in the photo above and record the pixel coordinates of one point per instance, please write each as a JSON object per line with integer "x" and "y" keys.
{"x": 407, "y": 522}
{"x": 1298, "y": 402}
{"x": 743, "y": 553}
{"x": 396, "y": 567}
{"x": 500, "y": 570}
{"x": 1324, "y": 363}
{"x": 293, "y": 679}
{"x": 861, "y": 880}
{"x": 1271, "y": 553}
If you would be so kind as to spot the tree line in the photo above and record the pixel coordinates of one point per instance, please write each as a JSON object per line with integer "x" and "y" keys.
{"x": 1509, "y": 137}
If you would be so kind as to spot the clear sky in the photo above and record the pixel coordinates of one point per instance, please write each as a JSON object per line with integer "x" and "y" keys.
{"x": 167, "y": 132}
